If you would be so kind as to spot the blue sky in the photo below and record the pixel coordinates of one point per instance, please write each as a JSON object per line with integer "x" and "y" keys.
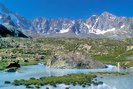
{"x": 73, "y": 9}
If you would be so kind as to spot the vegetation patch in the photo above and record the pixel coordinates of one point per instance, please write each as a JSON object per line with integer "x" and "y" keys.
{"x": 109, "y": 73}
{"x": 7, "y": 82}
{"x": 3, "y": 64}
{"x": 74, "y": 79}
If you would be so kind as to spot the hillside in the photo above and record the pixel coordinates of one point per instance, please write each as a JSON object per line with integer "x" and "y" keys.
{"x": 104, "y": 50}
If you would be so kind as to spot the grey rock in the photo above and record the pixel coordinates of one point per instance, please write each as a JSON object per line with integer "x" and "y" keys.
{"x": 73, "y": 61}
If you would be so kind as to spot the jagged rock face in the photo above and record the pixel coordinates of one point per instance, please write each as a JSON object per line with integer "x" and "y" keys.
{"x": 104, "y": 25}
{"x": 41, "y": 24}
{"x": 52, "y": 26}
{"x": 99, "y": 25}
{"x": 73, "y": 61}
{"x": 13, "y": 19}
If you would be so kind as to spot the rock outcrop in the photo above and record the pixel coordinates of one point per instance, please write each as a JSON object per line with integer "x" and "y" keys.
{"x": 73, "y": 61}
{"x": 12, "y": 67}
{"x": 15, "y": 64}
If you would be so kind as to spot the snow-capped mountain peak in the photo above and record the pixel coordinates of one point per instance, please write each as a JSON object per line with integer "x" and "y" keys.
{"x": 105, "y": 24}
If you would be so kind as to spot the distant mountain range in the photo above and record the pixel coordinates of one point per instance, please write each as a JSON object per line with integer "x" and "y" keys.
{"x": 105, "y": 25}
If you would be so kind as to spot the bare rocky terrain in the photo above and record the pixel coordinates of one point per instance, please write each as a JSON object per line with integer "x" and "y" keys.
{"x": 73, "y": 61}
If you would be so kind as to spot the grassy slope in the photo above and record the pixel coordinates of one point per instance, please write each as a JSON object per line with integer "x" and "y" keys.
{"x": 107, "y": 51}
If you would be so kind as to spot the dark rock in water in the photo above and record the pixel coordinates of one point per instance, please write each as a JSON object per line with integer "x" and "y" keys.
{"x": 14, "y": 64}
{"x": 13, "y": 69}
{"x": 7, "y": 82}
{"x": 73, "y": 61}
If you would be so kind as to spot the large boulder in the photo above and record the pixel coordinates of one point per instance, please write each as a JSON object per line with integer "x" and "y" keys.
{"x": 73, "y": 61}
{"x": 14, "y": 64}
{"x": 12, "y": 67}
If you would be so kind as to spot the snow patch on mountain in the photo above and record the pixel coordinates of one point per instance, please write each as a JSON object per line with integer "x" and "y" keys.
{"x": 98, "y": 31}
{"x": 64, "y": 30}
{"x": 88, "y": 26}
{"x": 122, "y": 26}
{"x": 94, "y": 15}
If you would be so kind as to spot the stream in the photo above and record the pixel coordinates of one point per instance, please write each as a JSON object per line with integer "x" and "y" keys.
{"x": 37, "y": 71}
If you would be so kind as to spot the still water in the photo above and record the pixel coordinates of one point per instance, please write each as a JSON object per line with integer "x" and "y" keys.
{"x": 37, "y": 71}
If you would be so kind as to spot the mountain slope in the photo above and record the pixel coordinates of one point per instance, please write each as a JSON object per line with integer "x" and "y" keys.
{"x": 8, "y": 30}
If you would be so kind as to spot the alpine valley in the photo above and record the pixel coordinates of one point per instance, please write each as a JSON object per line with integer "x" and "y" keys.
{"x": 61, "y": 53}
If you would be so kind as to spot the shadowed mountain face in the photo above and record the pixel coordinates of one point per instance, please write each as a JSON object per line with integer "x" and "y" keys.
{"x": 104, "y": 25}
{"x": 6, "y": 31}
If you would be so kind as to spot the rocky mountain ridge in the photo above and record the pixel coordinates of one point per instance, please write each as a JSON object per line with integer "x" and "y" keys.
{"x": 105, "y": 25}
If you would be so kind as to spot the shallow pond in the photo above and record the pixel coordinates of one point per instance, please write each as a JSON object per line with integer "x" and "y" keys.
{"x": 37, "y": 71}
